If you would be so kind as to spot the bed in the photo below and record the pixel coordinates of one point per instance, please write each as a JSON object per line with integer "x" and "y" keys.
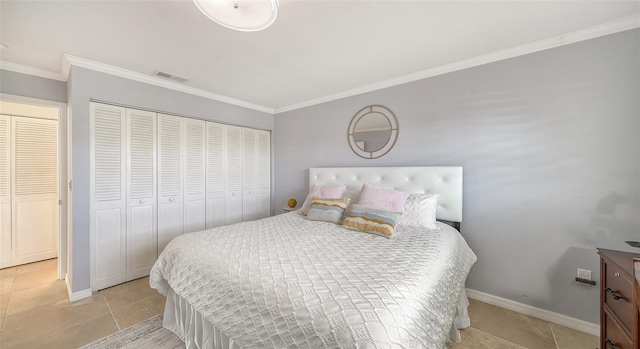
{"x": 288, "y": 282}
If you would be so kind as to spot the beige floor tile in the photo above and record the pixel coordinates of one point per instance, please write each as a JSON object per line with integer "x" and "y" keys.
{"x": 35, "y": 278}
{"x": 3, "y": 315}
{"x": 476, "y": 339}
{"x": 51, "y": 318}
{"x": 4, "y": 300}
{"x": 46, "y": 264}
{"x": 6, "y": 282}
{"x": 516, "y": 328}
{"x": 8, "y": 271}
{"x": 75, "y": 336}
{"x": 567, "y": 338}
{"x": 139, "y": 311}
{"x": 37, "y": 296}
{"x": 128, "y": 293}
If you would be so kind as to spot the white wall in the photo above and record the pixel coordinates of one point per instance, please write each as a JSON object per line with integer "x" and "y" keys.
{"x": 550, "y": 147}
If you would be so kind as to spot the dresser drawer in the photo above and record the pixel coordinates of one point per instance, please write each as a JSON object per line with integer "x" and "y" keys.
{"x": 618, "y": 286}
{"x": 615, "y": 336}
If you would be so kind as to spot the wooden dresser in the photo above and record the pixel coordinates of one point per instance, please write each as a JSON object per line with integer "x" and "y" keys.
{"x": 619, "y": 323}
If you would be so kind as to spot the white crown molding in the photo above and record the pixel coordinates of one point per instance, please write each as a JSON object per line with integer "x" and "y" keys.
{"x": 623, "y": 24}
{"x": 69, "y": 60}
{"x": 546, "y": 315}
{"x": 25, "y": 69}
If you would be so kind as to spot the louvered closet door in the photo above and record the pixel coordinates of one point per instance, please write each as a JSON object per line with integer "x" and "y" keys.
{"x": 108, "y": 201}
{"x": 5, "y": 191}
{"x": 263, "y": 181}
{"x": 194, "y": 176}
{"x": 142, "y": 233}
{"x": 34, "y": 184}
{"x": 249, "y": 175}
{"x": 215, "y": 174}
{"x": 233, "y": 174}
{"x": 170, "y": 179}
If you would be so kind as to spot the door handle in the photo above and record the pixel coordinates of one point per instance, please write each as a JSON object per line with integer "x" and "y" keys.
{"x": 613, "y": 293}
{"x": 141, "y": 201}
{"x": 171, "y": 199}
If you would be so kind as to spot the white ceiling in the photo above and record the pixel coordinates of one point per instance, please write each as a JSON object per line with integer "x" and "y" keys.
{"x": 314, "y": 49}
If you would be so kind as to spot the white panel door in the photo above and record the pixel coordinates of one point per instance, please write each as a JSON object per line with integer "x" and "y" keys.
{"x": 194, "y": 176}
{"x": 215, "y": 175}
{"x": 142, "y": 233}
{"x": 5, "y": 191}
{"x": 170, "y": 179}
{"x": 256, "y": 174}
{"x": 233, "y": 174}
{"x": 35, "y": 190}
{"x": 108, "y": 200}
{"x": 263, "y": 181}
{"x": 249, "y": 175}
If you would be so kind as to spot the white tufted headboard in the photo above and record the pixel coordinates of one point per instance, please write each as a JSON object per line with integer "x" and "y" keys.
{"x": 443, "y": 180}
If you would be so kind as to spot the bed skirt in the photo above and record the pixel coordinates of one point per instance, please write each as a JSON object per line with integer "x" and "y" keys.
{"x": 198, "y": 333}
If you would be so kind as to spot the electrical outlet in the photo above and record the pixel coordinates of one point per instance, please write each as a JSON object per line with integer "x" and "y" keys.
{"x": 584, "y": 274}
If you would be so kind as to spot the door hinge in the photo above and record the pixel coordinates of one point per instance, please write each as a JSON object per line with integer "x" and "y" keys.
{"x": 60, "y": 202}
{"x": 71, "y": 185}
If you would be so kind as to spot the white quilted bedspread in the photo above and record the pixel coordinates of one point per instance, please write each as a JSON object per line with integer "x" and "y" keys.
{"x": 285, "y": 282}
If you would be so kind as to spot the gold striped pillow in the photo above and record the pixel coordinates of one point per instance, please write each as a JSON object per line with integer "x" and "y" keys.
{"x": 370, "y": 220}
{"x": 327, "y": 210}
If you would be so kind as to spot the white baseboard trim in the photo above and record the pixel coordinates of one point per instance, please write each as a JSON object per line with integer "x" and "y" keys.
{"x": 76, "y": 296}
{"x": 567, "y": 321}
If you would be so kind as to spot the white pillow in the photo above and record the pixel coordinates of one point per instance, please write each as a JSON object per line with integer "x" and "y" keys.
{"x": 420, "y": 212}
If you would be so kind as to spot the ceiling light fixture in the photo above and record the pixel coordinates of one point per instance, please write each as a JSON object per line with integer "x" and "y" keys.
{"x": 242, "y": 15}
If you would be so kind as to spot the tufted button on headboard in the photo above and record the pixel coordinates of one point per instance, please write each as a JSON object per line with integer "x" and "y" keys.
{"x": 443, "y": 180}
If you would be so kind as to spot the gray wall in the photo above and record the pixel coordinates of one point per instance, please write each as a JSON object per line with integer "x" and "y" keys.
{"x": 32, "y": 86}
{"x": 86, "y": 85}
{"x": 550, "y": 147}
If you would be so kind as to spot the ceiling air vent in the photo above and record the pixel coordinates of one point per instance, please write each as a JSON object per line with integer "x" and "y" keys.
{"x": 169, "y": 77}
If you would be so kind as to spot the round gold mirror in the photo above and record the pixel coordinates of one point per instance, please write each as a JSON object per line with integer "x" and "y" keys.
{"x": 373, "y": 131}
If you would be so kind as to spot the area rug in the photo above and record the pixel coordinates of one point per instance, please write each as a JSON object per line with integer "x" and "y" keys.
{"x": 148, "y": 334}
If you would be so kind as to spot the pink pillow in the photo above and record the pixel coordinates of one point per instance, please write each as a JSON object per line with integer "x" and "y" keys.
{"x": 322, "y": 191}
{"x": 382, "y": 199}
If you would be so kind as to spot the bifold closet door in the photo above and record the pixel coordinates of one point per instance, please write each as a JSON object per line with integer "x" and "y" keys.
{"x": 181, "y": 177}
{"x": 256, "y": 174}
{"x": 263, "y": 182}
{"x": 35, "y": 190}
{"x": 215, "y": 174}
{"x": 5, "y": 191}
{"x": 108, "y": 183}
{"x": 170, "y": 179}
{"x": 233, "y": 174}
{"x": 249, "y": 175}
{"x": 194, "y": 176}
{"x": 142, "y": 232}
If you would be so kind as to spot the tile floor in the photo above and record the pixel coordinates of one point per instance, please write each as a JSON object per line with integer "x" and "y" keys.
{"x": 35, "y": 313}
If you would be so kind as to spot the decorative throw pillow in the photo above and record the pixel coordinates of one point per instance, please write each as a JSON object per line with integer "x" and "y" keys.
{"x": 322, "y": 191}
{"x": 382, "y": 199}
{"x": 371, "y": 220}
{"x": 327, "y": 210}
{"x": 420, "y": 212}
